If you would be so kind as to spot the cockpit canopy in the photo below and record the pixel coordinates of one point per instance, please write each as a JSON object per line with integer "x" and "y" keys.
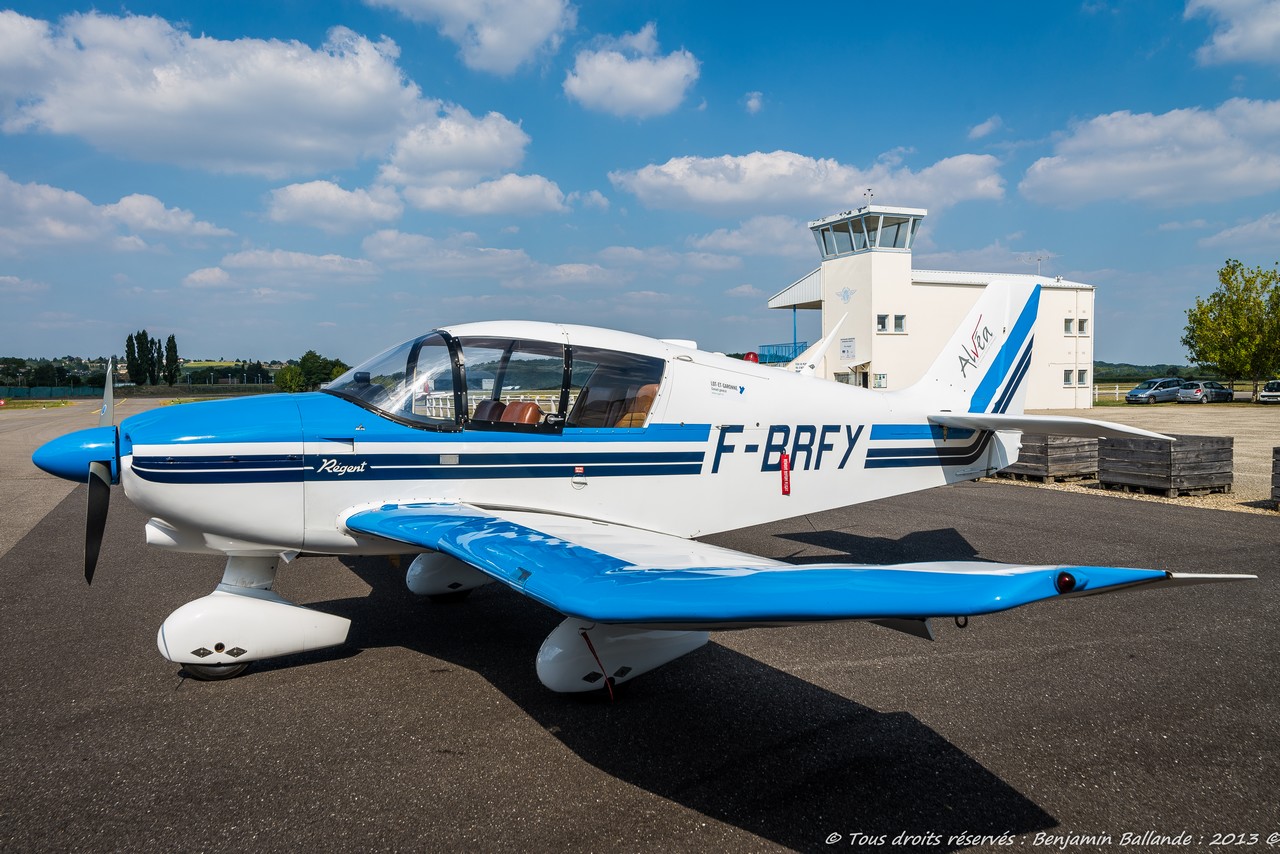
{"x": 446, "y": 383}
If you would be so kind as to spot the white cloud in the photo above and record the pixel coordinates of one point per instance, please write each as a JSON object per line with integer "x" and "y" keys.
{"x": 147, "y": 213}
{"x": 454, "y": 148}
{"x": 745, "y": 291}
{"x": 986, "y": 128}
{"x": 572, "y": 276}
{"x": 754, "y": 102}
{"x": 37, "y": 215}
{"x": 207, "y": 277}
{"x": 662, "y": 258}
{"x": 11, "y": 287}
{"x": 626, "y": 77}
{"x": 294, "y": 270}
{"x": 495, "y": 35}
{"x": 458, "y": 256}
{"x": 441, "y": 164}
{"x": 1172, "y": 158}
{"x": 589, "y": 199}
{"x": 141, "y": 88}
{"x": 325, "y": 205}
{"x": 510, "y": 194}
{"x": 786, "y": 181}
{"x": 1264, "y": 231}
{"x": 1244, "y": 30}
{"x": 761, "y": 235}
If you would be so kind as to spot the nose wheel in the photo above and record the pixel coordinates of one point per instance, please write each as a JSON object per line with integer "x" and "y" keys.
{"x": 214, "y": 672}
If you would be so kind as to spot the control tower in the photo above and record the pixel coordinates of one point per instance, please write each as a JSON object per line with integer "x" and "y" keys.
{"x": 891, "y": 319}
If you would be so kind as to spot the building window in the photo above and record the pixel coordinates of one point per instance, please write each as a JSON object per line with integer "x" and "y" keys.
{"x": 899, "y": 323}
{"x": 1082, "y": 377}
{"x": 1067, "y": 376}
{"x": 882, "y": 323}
{"x": 880, "y": 381}
{"x": 1068, "y": 327}
{"x": 1082, "y": 327}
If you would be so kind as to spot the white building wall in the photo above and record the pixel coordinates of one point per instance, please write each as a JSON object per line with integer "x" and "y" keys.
{"x": 876, "y": 283}
{"x": 858, "y": 287}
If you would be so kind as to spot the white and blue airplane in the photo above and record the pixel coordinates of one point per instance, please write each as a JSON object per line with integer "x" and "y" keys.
{"x": 584, "y": 496}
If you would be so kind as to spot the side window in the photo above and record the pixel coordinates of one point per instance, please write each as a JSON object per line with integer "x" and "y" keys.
{"x": 513, "y": 384}
{"x": 611, "y": 389}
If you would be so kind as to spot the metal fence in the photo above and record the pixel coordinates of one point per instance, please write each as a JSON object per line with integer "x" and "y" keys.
{"x": 40, "y": 392}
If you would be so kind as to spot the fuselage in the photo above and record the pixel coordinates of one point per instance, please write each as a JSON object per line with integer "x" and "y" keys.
{"x": 719, "y": 444}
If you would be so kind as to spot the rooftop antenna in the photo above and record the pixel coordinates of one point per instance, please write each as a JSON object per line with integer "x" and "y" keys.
{"x": 1030, "y": 257}
{"x": 868, "y": 195}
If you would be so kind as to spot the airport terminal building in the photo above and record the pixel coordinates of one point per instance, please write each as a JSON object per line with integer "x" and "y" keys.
{"x": 893, "y": 319}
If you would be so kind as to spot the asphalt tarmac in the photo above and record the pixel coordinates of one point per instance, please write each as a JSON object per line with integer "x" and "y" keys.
{"x": 1138, "y": 713}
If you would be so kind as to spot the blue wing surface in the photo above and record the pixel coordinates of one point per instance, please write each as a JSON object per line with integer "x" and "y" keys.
{"x": 615, "y": 574}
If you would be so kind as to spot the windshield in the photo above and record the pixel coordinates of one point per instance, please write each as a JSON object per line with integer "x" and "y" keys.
{"x": 412, "y": 382}
{"x": 1147, "y": 384}
{"x": 1274, "y": 385}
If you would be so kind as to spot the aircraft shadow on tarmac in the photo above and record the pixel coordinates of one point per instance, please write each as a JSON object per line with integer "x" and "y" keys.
{"x": 717, "y": 731}
{"x": 941, "y": 544}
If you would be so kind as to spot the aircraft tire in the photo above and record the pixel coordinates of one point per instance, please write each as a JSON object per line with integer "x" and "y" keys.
{"x": 214, "y": 672}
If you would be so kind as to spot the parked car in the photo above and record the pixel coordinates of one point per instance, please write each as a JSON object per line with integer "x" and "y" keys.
{"x": 1270, "y": 392}
{"x": 1196, "y": 391}
{"x": 1160, "y": 390}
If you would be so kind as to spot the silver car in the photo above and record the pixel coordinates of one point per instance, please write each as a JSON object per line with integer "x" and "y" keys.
{"x": 1196, "y": 391}
{"x": 1270, "y": 392}
{"x": 1161, "y": 390}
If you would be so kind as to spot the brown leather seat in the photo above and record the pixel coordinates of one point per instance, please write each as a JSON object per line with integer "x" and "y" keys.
{"x": 489, "y": 410}
{"x": 638, "y": 407}
{"x": 522, "y": 412}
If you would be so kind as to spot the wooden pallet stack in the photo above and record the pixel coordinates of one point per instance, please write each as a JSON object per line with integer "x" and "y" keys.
{"x": 1054, "y": 458}
{"x": 1192, "y": 465}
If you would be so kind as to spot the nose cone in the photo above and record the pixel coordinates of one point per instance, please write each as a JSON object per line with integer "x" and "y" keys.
{"x": 69, "y": 456}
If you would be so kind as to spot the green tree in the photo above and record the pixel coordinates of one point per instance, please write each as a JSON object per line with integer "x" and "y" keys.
{"x": 1235, "y": 331}
{"x": 291, "y": 379}
{"x": 316, "y": 369}
{"x": 131, "y": 363}
{"x": 171, "y": 363}
{"x": 155, "y": 366}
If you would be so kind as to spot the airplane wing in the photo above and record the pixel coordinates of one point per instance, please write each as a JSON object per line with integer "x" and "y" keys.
{"x": 1052, "y": 425}
{"x": 606, "y": 573}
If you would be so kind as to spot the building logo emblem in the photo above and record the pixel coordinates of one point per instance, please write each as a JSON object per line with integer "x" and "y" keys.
{"x": 845, "y": 295}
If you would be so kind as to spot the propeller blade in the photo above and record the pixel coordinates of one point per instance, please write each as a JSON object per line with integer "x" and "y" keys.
{"x": 96, "y": 517}
{"x": 108, "y": 416}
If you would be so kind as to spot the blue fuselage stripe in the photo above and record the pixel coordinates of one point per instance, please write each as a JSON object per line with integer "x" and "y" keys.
{"x": 881, "y": 458}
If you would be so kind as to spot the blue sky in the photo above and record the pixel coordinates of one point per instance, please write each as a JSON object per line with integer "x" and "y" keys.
{"x": 261, "y": 179}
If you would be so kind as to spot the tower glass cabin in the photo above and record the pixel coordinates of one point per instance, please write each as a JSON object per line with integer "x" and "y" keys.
{"x": 867, "y": 229}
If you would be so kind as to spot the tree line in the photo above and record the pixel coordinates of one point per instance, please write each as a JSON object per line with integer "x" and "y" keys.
{"x": 1235, "y": 331}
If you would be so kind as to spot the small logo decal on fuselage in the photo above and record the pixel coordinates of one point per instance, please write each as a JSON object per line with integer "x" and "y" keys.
{"x": 341, "y": 469}
{"x": 971, "y": 354}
